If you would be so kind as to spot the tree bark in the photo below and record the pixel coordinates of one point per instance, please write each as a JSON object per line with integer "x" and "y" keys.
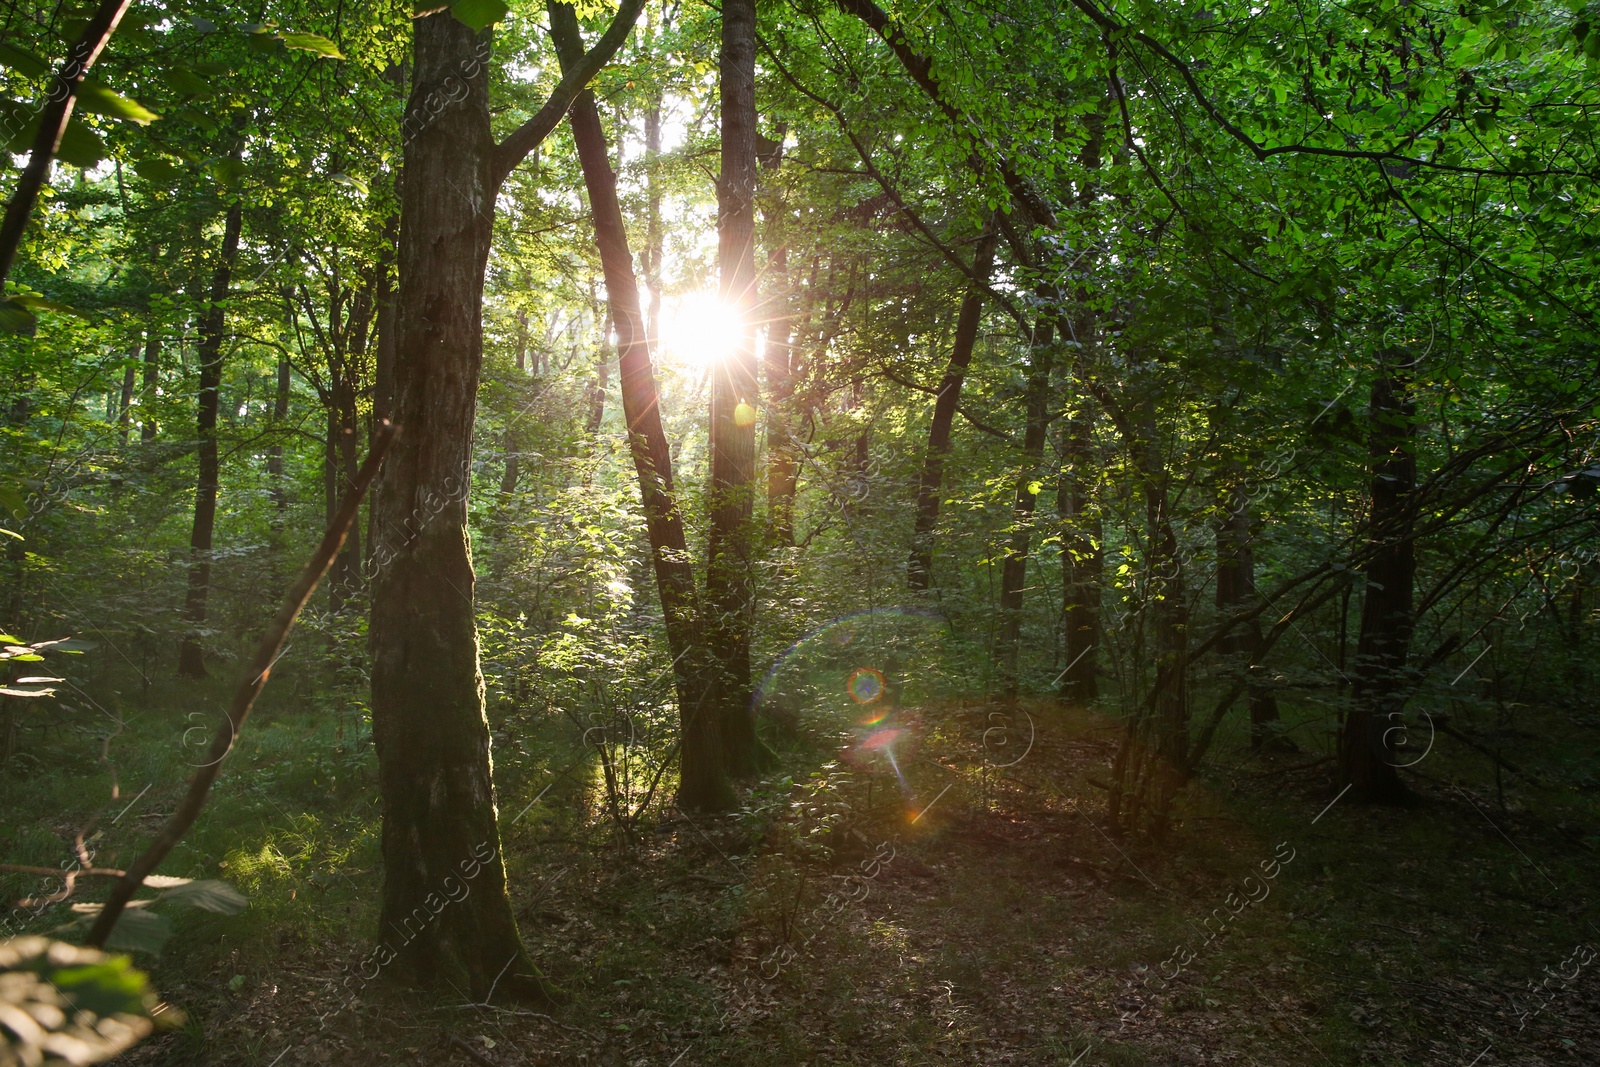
{"x": 919, "y": 567}
{"x": 152, "y": 380}
{"x": 125, "y": 413}
{"x": 730, "y": 591}
{"x": 1081, "y": 557}
{"x": 1015, "y": 568}
{"x": 702, "y": 783}
{"x": 429, "y": 725}
{"x": 1236, "y": 588}
{"x": 1367, "y": 757}
{"x": 280, "y": 414}
{"x": 191, "y": 655}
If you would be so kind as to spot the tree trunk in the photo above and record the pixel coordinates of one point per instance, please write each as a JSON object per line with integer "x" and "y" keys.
{"x": 702, "y": 784}
{"x": 1081, "y": 557}
{"x": 730, "y": 592}
{"x": 1236, "y": 589}
{"x": 1014, "y": 570}
{"x": 344, "y": 578}
{"x": 919, "y": 568}
{"x": 383, "y": 321}
{"x": 440, "y": 835}
{"x": 152, "y": 380}
{"x": 280, "y": 414}
{"x": 602, "y": 377}
{"x": 125, "y": 414}
{"x": 191, "y": 656}
{"x": 1367, "y": 757}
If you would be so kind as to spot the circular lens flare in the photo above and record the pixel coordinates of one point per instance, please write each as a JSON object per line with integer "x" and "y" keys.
{"x": 865, "y": 685}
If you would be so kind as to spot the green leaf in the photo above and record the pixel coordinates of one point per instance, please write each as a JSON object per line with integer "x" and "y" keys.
{"x": 229, "y": 172}
{"x": 81, "y": 146}
{"x": 479, "y": 14}
{"x": 17, "y": 504}
{"x": 310, "y": 42}
{"x": 14, "y": 318}
{"x": 157, "y": 171}
{"x": 23, "y": 62}
{"x": 342, "y": 178}
{"x": 80, "y": 1001}
{"x": 208, "y": 895}
{"x": 66, "y": 644}
{"x": 39, "y": 303}
{"x": 96, "y": 99}
{"x": 139, "y": 930}
{"x": 187, "y": 82}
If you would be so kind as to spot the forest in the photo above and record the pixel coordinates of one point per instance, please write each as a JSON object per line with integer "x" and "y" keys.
{"x": 649, "y": 533}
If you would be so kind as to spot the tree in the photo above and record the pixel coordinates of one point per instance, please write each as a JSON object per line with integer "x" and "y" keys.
{"x": 427, "y": 689}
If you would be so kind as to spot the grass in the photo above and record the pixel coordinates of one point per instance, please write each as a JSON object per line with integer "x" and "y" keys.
{"x": 1008, "y": 926}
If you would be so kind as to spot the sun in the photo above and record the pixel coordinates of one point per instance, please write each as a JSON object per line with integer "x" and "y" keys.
{"x": 698, "y": 330}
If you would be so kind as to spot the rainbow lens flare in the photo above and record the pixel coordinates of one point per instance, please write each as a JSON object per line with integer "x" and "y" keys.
{"x": 865, "y": 685}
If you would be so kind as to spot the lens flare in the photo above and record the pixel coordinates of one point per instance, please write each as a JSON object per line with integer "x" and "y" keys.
{"x": 865, "y": 685}
{"x": 699, "y": 330}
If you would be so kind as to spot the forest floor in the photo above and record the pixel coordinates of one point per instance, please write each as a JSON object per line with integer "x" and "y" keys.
{"x": 963, "y": 913}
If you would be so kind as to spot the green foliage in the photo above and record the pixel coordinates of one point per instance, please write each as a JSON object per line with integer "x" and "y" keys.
{"x": 65, "y": 1004}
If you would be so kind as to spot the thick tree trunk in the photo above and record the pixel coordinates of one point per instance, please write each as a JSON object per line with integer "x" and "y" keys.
{"x": 1236, "y": 590}
{"x": 730, "y": 591}
{"x": 1013, "y": 571}
{"x": 191, "y": 656}
{"x": 919, "y": 567}
{"x": 440, "y": 836}
{"x": 152, "y": 381}
{"x": 383, "y": 323}
{"x": 702, "y": 784}
{"x": 1367, "y": 757}
{"x": 1081, "y": 557}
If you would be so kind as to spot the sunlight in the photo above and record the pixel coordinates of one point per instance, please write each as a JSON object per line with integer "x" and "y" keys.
{"x": 698, "y": 329}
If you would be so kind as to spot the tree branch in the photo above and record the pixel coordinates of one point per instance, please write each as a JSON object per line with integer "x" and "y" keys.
{"x": 245, "y": 697}
{"x": 525, "y": 138}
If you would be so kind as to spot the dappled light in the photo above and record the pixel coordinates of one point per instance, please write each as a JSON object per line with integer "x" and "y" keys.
{"x": 857, "y": 533}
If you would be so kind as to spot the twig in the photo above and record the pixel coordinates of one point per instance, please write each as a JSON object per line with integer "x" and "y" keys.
{"x": 473, "y": 1054}
{"x": 244, "y": 699}
{"x": 523, "y": 1013}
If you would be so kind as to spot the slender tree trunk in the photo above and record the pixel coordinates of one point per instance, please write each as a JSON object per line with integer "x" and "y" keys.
{"x": 919, "y": 568}
{"x": 730, "y": 592}
{"x": 654, "y": 242}
{"x": 191, "y": 657}
{"x": 778, "y": 360}
{"x": 152, "y": 381}
{"x": 702, "y": 783}
{"x": 342, "y": 463}
{"x": 1081, "y": 556}
{"x": 602, "y": 378}
{"x": 125, "y": 412}
{"x": 280, "y": 414}
{"x": 1015, "y": 568}
{"x": 1367, "y": 759}
{"x": 440, "y": 835}
{"x": 1236, "y": 589}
